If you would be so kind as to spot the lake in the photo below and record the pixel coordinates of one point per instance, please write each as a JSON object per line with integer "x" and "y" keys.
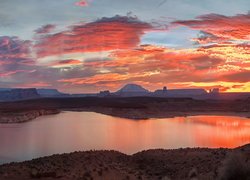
{"x": 80, "y": 131}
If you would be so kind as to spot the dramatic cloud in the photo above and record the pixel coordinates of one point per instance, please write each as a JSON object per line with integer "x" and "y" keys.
{"x": 224, "y": 27}
{"x": 108, "y": 53}
{"x": 102, "y": 35}
{"x": 154, "y": 66}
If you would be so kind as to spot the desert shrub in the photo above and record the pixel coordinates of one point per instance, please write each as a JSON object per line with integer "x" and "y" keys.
{"x": 166, "y": 178}
{"x": 235, "y": 167}
{"x": 87, "y": 174}
{"x": 193, "y": 174}
{"x": 100, "y": 173}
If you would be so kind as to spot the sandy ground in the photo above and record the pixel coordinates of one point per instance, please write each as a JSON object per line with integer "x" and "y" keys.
{"x": 188, "y": 163}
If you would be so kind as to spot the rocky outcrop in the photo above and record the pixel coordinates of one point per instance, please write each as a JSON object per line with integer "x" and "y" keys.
{"x": 19, "y": 117}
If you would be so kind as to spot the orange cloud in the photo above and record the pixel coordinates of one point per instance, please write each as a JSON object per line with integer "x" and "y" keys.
{"x": 96, "y": 79}
{"x": 242, "y": 76}
{"x": 155, "y": 66}
{"x": 37, "y": 84}
{"x": 225, "y": 27}
{"x": 222, "y": 58}
{"x": 225, "y": 85}
{"x": 102, "y": 35}
{"x": 236, "y": 57}
{"x": 106, "y": 78}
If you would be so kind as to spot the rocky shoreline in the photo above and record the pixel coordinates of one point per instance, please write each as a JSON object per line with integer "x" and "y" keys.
{"x": 143, "y": 114}
{"x": 20, "y": 117}
{"x": 131, "y": 108}
{"x": 135, "y": 114}
{"x": 129, "y": 113}
{"x": 187, "y": 163}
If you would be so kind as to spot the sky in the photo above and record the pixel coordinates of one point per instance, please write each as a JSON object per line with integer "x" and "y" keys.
{"x": 84, "y": 46}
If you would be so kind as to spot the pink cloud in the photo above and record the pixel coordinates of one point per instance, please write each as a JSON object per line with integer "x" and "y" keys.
{"x": 82, "y": 3}
{"x": 5, "y": 74}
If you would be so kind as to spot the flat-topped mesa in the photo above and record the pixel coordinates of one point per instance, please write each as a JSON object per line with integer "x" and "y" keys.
{"x": 13, "y": 94}
{"x": 49, "y": 93}
{"x": 19, "y": 94}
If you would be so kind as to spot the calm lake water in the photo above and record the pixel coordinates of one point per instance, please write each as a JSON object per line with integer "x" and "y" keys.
{"x": 75, "y": 131}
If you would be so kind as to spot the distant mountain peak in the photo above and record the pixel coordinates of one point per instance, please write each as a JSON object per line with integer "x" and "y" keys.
{"x": 133, "y": 88}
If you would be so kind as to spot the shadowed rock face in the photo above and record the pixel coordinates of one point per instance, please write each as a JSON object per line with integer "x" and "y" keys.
{"x": 18, "y": 94}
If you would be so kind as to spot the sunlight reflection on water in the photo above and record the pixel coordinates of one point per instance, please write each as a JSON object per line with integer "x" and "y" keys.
{"x": 75, "y": 131}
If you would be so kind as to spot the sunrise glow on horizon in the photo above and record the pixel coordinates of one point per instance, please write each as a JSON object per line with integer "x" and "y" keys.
{"x": 79, "y": 46}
